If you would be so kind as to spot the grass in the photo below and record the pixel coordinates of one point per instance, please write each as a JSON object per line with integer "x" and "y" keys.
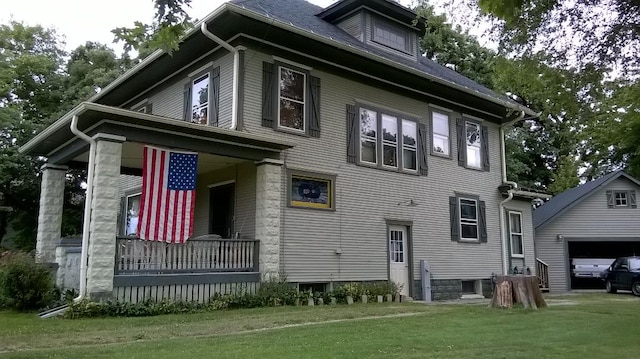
{"x": 576, "y": 326}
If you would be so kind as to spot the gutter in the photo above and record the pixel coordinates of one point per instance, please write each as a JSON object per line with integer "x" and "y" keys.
{"x": 236, "y": 69}
{"x": 503, "y": 225}
{"x": 84, "y": 256}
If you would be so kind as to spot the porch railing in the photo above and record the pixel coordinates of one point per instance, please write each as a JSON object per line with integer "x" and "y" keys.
{"x": 199, "y": 255}
{"x": 542, "y": 271}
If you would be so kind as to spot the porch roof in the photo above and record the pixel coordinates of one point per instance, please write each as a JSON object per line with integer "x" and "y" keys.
{"x": 59, "y": 144}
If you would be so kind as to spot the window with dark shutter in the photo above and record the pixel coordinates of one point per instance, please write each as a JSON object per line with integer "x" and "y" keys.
{"x": 484, "y": 147}
{"x": 352, "y": 134}
{"x": 473, "y": 145}
{"x": 290, "y": 99}
{"x": 423, "y": 136}
{"x": 468, "y": 219}
{"x": 610, "y": 203}
{"x": 462, "y": 143}
{"x": 202, "y": 98}
{"x": 632, "y": 199}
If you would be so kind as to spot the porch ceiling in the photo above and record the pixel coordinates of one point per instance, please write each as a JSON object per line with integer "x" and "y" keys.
{"x": 221, "y": 146}
{"x": 132, "y": 159}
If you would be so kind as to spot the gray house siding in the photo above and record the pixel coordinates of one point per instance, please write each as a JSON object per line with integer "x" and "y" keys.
{"x": 168, "y": 100}
{"x": 588, "y": 220}
{"x": 366, "y": 197}
{"x": 529, "y": 260}
{"x": 353, "y": 25}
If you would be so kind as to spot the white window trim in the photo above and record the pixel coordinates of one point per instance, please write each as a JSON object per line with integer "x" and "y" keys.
{"x": 479, "y": 146}
{"x": 615, "y": 199}
{"x": 123, "y": 230}
{"x": 408, "y": 147}
{"x": 511, "y": 233}
{"x": 447, "y": 135}
{"x": 380, "y": 141}
{"x": 468, "y": 221}
{"x": 140, "y": 105}
{"x": 367, "y": 138}
{"x": 389, "y": 143}
{"x": 208, "y": 106}
{"x": 304, "y": 101}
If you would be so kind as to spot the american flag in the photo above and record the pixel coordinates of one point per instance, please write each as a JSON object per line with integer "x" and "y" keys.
{"x": 168, "y": 195}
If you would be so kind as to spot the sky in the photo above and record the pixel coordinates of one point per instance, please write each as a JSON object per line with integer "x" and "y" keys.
{"x": 92, "y": 20}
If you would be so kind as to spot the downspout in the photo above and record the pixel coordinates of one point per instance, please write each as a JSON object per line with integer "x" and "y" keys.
{"x": 87, "y": 207}
{"x": 236, "y": 69}
{"x": 503, "y": 158}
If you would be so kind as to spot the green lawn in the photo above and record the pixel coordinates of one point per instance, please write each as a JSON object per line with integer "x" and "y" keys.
{"x": 576, "y": 326}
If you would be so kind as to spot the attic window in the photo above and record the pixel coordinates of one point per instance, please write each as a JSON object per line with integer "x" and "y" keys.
{"x": 391, "y": 36}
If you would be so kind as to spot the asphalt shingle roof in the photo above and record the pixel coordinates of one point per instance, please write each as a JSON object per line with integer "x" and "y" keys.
{"x": 302, "y": 14}
{"x": 566, "y": 199}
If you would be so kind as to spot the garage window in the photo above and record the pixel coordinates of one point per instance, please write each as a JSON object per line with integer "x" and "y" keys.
{"x": 621, "y": 199}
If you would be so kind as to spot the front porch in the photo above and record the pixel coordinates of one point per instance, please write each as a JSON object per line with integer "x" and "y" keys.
{"x": 130, "y": 269}
{"x": 193, "y": 271}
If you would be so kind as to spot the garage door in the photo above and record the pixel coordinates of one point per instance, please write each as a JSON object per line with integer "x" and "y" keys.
{"x": 609, "y": 249}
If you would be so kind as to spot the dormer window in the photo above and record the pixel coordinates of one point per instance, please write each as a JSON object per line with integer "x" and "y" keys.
{"x": 392, "y": 36}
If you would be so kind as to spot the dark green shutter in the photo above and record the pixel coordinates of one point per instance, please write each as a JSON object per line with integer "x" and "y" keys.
{"x": 423, "y": 148}
{"x": 632, "y": 199}
{"x": 186, "y": 112}
{"x": 462, "y": 142}
{"x": 314, "y": 106}
{"x": 268, "y": 95}
{"x": 352, "y": 134}
{"x": 484, "y": 147}
{"x": 610, "y": 199}
{"x": 454, "y": 219}
{"x": 482, "y": 221}
{"x": 215, "y": 97}
{"x": 148, "y": 108}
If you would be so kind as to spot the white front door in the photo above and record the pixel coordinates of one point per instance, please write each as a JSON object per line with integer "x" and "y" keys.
{"x": 398, "y": 258}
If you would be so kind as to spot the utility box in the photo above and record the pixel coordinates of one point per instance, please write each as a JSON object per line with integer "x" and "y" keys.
{"x": 425, "y": 273}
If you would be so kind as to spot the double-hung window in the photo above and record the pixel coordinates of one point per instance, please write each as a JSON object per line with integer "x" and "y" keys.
{"x": 468, "y": 219}
{"x": 409, "y": 145}
{"x": 200, "y": 100}
{"x": 472, "y": 131}
{"x": 440, "y": 134}
{"x": 473, "y": 144}
{"x": 515, "y": 234}
{"x": 291, "y": 99}
{"x": 387, "y": 141}
{"x": 130, "y": 217}
{"x": 202, "y": 97}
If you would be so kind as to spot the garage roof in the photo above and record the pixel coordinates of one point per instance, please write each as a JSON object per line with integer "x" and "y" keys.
{"x": 569, "y": 198}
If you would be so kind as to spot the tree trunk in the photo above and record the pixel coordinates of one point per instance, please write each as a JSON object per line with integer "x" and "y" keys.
{"x": 512, "y": 289}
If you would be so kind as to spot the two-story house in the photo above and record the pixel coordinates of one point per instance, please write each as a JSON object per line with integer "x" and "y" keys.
{"x": 329, "y": 150}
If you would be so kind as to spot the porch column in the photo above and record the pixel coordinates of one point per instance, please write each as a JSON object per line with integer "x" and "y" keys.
{"x": 104, "y": 213}
{"x": 50, "y": 214}
{"x": 268, "y": 201}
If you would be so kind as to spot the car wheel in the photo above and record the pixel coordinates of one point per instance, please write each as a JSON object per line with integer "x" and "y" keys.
{"x": 611, "y": 288}
{"x": 635, "y": 288}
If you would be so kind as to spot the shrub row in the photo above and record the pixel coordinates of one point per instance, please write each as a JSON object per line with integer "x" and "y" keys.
{"x": 271, "y": 293}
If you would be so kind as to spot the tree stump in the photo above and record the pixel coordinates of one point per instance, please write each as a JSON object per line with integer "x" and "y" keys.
{"x": 512, "y": 289}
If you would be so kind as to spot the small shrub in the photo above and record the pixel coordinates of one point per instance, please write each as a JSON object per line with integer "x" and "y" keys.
{"x": 24, "y": 284}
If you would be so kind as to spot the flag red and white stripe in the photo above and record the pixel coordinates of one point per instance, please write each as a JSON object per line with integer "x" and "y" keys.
{"x": 168, "y": 195}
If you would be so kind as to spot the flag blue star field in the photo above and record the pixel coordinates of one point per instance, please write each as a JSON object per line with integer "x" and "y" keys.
{"x": 168, "y": 195}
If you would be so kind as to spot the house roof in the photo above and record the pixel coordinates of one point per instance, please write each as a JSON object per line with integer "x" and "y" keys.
{"x": 571, "y": 197}
{"x": 308, "y": 17}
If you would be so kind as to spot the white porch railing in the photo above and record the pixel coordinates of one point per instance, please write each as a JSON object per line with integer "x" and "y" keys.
{"x": 136, "y": 256}
{"x": 542, "y": 271}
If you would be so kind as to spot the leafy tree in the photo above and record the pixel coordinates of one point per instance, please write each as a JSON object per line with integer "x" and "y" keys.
{"x": 171, "y": 21}
{"x": 599, "y": 33}
{"x": 37, "y": 85}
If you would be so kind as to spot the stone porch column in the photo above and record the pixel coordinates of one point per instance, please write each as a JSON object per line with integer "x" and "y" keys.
{"x": 269, "y": 193}
{"x": 50, "y": 214}
{"x": 104, "y": 216}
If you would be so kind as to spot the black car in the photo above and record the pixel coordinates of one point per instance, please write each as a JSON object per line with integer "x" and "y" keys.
{"x": 624, "y": 273}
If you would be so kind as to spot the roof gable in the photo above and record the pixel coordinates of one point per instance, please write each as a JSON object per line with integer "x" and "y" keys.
{"x": 561, "y": 203}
